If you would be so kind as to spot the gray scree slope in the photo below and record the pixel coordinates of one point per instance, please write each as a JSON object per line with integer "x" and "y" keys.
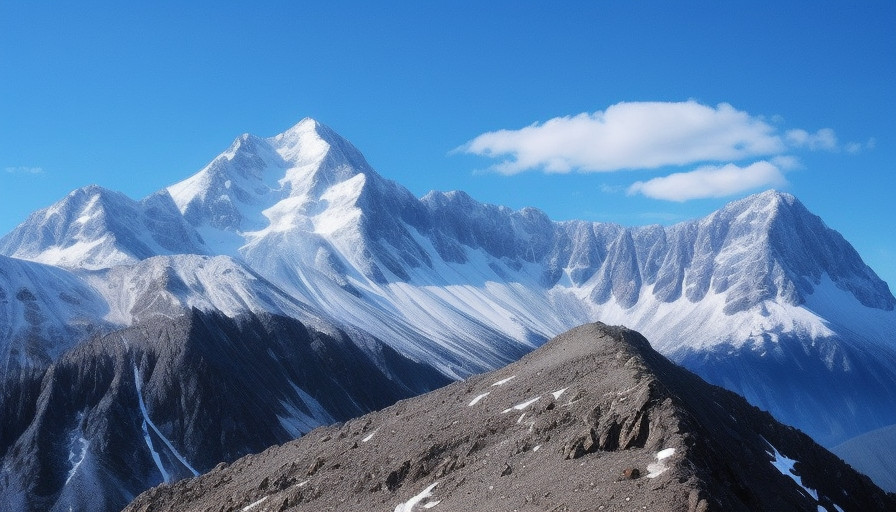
{"x": 593, "y": 420}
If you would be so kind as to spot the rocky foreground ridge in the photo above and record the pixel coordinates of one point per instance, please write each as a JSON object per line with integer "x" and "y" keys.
{"x": 593, "y": 420}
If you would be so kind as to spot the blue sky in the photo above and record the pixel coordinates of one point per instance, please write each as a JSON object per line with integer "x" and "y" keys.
{"x": 629, "y": 112}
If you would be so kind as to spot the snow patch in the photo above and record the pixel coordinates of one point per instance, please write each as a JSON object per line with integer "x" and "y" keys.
{"x": 785, "y": 466}
{"x": 477, "y": 399}
{"x": 558, "y": 394}
{"x": 146, "y": 436}
{"x": 255, "y": 504}
{"x": 665, "y": 454}
{"x": 655, "y": 469}
{"x": 504, "y": 381}
{"x": 77, "y": 459}
{"x": 299, "y": 423}
{"x": 166, "y": 477}
{"x": 520, "y": 407}
{"x": 409, "y": 505}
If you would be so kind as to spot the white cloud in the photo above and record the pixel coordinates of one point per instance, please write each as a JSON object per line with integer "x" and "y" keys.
{"x": 822, "y": 139}
{"x": 710, "y": 181}
{"x": 642, "y": 135}
{"x": 24, "y": 170}
{"x": 718, "y": 141}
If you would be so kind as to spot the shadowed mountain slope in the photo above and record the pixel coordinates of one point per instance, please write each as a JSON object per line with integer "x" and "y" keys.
{"x": 170, "y": 398}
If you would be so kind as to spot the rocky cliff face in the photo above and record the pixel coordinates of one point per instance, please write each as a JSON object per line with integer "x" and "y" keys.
{"x": 593, "y": 420}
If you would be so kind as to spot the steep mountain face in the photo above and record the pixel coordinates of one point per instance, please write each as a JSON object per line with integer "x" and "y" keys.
{"x": 593, "y": 420}
{"x": 759, "y": 297}
{"x": 170, "y": 398}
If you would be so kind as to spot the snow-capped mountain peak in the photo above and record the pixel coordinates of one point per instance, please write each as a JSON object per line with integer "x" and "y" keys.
{"x": 806, "y": 249}
{"x": 95, "y": 228}
{"x": 318, "y": 158}
{"x": 302, "y": 142}
{"x": 224, "y": 193}
{"x": 252, "y": 185}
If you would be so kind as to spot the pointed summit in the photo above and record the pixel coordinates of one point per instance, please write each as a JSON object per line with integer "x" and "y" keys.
{"x": 302, "y": 142}
{"x": 234, "y": 190}
{"x": 311, "y": 143}
{"x": 758, "y": 209}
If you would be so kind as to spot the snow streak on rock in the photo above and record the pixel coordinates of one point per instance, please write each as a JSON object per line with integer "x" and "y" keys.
{"x": 409, "y": 505}
{"x": 146, "y": 421}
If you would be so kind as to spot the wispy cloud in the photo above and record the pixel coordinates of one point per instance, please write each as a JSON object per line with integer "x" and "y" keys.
{"x": 644, "y": 135}
{"x": 786, "y": 162}
{"x": 858, "y": 147}
{"x": 24, "y": 170}
{"x": 711, "y": 181}
{"x": 822, "y": 139}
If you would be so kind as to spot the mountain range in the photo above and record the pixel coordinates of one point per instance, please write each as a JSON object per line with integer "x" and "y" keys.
{"x": 296, "y": 237}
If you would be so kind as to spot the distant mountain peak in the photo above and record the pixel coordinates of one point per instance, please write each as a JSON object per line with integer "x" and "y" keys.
{"x": 233, "y": 192}
{"x": 760, "y": 207}
{"x": 305, "y": 126}
{"x": 93, "y": 227}
{"x": 773, "y": 195}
